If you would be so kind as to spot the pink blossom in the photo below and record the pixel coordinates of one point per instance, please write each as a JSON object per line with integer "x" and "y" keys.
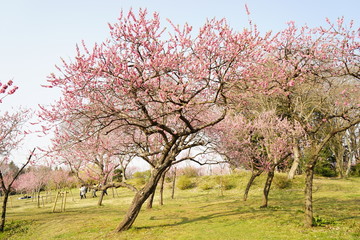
{"x": 12, "y": 91}
{"x": 291, "y": 83}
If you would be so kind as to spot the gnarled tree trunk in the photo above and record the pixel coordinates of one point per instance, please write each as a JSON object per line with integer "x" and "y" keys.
{"x": 296, "y": 162}
{"x": 267, "y": 187}
{"x": 140, "y": 197}
{"x": 151, "y": 200}
{"x": 254, "y": 175}
{"x": 101, "y": 197}
{"x": 348, "y": 167}
{"x": 3, "y": 213}
{"x": 340, "y": 161}
{"x": 162, "y": 181}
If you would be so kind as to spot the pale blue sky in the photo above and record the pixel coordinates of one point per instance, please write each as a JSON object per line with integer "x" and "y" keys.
{"x": 34, "y": 34}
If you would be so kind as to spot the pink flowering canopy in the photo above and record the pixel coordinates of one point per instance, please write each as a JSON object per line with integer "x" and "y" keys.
{"x": 151, "y": 85}
{"x": 260, "y": 141}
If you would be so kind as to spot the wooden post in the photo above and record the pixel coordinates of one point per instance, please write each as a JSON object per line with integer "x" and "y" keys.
{"x": 56, "y": 198}
{"x": 62, "y": 201}
{"x": 173, "y": 184}
{"x": 65, "y": 195}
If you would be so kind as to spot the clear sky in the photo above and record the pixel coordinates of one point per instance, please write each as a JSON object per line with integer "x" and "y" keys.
{"x": 34, "y": 34}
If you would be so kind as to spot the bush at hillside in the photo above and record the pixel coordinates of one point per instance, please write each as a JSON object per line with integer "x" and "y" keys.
{"x": 185, "y": 182}
{"x": 282, "y": 182}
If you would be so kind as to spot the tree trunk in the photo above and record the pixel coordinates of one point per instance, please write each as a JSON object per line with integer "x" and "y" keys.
{"x": 352, "y": 141}
{"x": 348, "y": 168}
{"x": 38, "y": 198}
{"x": 251, "y": 181}
{"x": 101, "y": 198}
{"x": 351, "y": 155}
{"x": 338, "y": 149}
{"x": 123, "y": 169}
{"x": 139, "y": 199}
{"x": 295, "y": 163}
{"x": 151, "y": 200}
{"x": 267, "y": 186}
{"x": 162, "y": 181}
{"x": 308, "y": 194}
{"x": 340, "y": 161}
{"x": 3, "y": 213}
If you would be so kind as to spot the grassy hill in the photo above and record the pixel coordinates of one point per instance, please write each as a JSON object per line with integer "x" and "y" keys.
{"x": 214, "y": 213}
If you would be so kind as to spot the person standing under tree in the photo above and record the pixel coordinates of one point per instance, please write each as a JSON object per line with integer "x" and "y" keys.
{"x": 83, "y": 192}
{"x": 94, "y": 191}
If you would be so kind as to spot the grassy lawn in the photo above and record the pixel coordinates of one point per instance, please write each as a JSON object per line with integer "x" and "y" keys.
{"x": 198, "y": 214}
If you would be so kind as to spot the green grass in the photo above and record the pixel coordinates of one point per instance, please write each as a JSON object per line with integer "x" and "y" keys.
{"x": 198, "y": 214}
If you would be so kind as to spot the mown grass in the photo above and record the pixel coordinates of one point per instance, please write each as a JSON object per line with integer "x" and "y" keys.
{"x": 199, "y": 214}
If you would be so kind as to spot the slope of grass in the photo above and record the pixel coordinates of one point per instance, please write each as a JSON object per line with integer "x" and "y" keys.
{"x": 198, "y": 214}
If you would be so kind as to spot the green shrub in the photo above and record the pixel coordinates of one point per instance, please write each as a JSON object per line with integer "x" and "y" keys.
{"x": 355, "y": 170}
{"x": 145, "y": 175}
{"x": 140, "y": 178}
{"x": 185, "y": 182}
{"x": 206, "y": 186}
{"x": 118, "y": 175}
{"x": 206, "y": 183}
{"x": 189, "y": 171}
{"x": 325, "y": 169}
{"x": 282, "y": 182}
{"x": 326, "y": 165}
{"x": 225, "y": 182}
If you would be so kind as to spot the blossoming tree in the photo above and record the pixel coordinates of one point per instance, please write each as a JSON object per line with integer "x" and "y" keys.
{"x": 11, "y": 136}
{"x": 260, "y": 143}
{"x": 157, "y": 90}
{"x": 316, "y": 71}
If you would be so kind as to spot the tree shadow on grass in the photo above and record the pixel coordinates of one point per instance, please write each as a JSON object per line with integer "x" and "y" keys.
{"x": 348, "y": 218}
{"x": 294, "y": 212}
{"x": 186, "y": 220}
{"x": 241, "y": 212}
{"x": 339, "y": 210}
